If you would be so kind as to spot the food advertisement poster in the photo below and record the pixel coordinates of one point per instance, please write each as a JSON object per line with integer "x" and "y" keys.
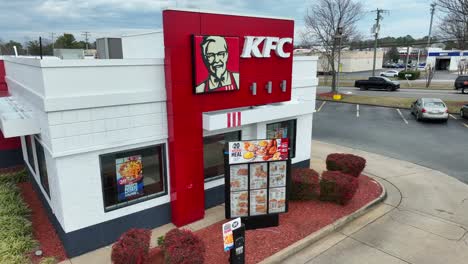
{"x": 258, "y": 151}
{"x": 277, "y": 200}
{"x": 129, "y": 173}
{"x": 239, "y": 177}
{"x": 278, "y": 174}
{"x": 258, "y": 176}
{"x": 239, "y": 204}
{"x": 228, "y": 236}
{"x": 258, "y": 202}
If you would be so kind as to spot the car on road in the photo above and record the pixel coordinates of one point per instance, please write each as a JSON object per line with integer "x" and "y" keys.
{"x": 389, "y": 73}
{"x": 430, "y": 108}
{"x": 377, "y": 83}
{"x": 461, "y": 83}
{"x": 464, "y": 111}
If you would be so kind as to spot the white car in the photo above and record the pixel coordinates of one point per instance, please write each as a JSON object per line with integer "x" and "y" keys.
{"x": 389, "y": 73}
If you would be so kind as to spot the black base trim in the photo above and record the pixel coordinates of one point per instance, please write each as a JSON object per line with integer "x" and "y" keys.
{"x": 214, "y": 196}
{"x": 301, "y": 164}
{"x": 11, "y": 158}
{"x": 93, "y": 237}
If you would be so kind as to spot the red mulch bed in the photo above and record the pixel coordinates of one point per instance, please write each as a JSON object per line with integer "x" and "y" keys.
{"x": 303, "y": 219}
{"x": 43, "y": 230}
{"x": 326, "y": 95}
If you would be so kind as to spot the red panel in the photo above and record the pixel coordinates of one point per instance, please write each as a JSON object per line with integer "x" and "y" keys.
{"x": 185, "y": 108}
{"x": 3, "y": 86}
{"x": 9, "y": 143}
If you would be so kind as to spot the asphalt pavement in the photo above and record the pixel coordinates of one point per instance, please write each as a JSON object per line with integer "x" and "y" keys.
{"x": 451, "y": 95}
{"x": 395, "y": 133}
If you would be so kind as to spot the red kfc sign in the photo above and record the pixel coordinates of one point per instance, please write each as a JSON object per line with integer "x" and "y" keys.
{"x": 205, "y": 55}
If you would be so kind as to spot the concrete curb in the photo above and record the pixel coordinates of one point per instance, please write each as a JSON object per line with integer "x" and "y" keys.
{"x": 280, "y": 256}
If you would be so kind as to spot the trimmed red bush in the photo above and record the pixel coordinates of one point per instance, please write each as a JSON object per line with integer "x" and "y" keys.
{"x": 305, "y": 184}
{"x": 183, "y": 247}
{"x": 132, "y": 247}
{"x": 338, "y": 187}
{"x": 346, "y": 163}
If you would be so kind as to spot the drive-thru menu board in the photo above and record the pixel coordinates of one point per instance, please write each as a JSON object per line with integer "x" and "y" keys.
{"x": 257, "y": 174}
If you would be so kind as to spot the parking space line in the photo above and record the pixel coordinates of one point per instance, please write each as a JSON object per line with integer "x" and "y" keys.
{"x": 357, "y": 110}
{"x": 320, "y": 108}
{"x": 404, "y": 119}
{"x": 465, "y": 125}
{"x": 453, "y": 116}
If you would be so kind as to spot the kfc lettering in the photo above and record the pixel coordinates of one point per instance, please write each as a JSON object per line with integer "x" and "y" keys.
{"x": 251, "y": 47}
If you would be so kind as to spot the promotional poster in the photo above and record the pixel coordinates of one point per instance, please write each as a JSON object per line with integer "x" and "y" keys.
{"x": 129, "y": 173}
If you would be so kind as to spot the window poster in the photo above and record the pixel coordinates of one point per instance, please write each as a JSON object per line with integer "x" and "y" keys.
{"x": 129, "y": 173}
{"x": 239, "y": 204}
{"x": 239, "y": 177}
{"x": 277, "y": 200}
{"x": 258, "y": 202}
{"x": 258, "y": 176}
{"x": 278, "y": 174}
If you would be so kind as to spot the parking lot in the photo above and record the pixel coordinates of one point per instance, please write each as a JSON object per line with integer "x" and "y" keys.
{"x": 396, "y": 133}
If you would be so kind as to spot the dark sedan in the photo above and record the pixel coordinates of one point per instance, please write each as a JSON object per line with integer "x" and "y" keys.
{"x": 464, "y": 111}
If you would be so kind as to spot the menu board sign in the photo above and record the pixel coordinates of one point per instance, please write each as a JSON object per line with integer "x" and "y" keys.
{"x": 257, "y": 177}
{"x": 258, "y": 150}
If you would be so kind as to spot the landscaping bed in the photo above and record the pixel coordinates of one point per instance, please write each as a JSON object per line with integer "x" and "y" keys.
{"x": 303, "y": 219}
{"x": 25, "y": 226}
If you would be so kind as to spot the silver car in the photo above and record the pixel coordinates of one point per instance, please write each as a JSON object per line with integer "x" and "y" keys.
{"x": 430, "y": 108}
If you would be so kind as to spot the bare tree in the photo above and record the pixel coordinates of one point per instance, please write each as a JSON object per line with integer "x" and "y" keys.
{"x": 322, "y": 22}
{"x": 454, "y": 24}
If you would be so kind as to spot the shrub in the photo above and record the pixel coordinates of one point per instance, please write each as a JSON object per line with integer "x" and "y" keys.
{"x": 132, "y": 247}
{"x": 346, "y": 163}
{"x": 305, "y": 184}
{"x": 414, "y": 75}
{"x": 48, "y": 260}
{"x": 155, "y": 256}
{"x": 338, "y": 187}
{"x": 16, "y": 238}
{"x": 13, "y": 175}
{"x": 183, "y": 247}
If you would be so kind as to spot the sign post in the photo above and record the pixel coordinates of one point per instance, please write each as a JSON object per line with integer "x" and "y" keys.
{"x": 257, "y": 180}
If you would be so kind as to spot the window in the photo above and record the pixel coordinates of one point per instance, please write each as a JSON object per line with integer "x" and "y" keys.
{"x": 133, "y": 176}
{"x": 30, "y": 153}
{"x": 285, "y": 129}
{"x": 213, "y": 156}
{"x": 42, "y": 169}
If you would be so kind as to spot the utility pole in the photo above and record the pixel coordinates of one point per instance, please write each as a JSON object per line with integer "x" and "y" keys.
{"x": 52, "y": 35}
{"x": 376, "y": 29}
{"x": 407, "y": 57}
{"x": 86, "y": 34}
{"x": 433, "y": 5}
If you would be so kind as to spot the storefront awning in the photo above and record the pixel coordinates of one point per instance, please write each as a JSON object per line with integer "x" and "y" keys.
{"x": 257, "y": 114}
{"x": 14, "y": 120}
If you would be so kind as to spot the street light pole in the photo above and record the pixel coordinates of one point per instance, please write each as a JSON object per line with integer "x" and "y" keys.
{"x": 339, "y": 36}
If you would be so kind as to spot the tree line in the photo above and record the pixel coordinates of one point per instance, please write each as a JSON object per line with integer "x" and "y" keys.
{"x": 65, "y": 41}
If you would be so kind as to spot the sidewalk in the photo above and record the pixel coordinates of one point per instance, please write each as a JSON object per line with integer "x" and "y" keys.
{"x": 424, "y": 218}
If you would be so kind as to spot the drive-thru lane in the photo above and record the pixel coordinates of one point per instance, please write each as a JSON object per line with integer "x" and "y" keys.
{"x": 395, "y": 133}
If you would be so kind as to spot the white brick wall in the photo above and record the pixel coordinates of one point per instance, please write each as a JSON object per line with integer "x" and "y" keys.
{"x": 75, "y": 131}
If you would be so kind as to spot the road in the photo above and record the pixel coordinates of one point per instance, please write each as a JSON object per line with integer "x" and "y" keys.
{"x": 440, "y": 146}
{"x": 439, "y": 75}
{"x": 451, "y": 95}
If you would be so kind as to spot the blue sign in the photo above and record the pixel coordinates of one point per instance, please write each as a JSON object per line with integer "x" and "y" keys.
{"x": 441, "y": 54}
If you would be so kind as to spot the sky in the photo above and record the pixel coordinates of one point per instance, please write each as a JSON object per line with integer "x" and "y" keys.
{"x": 25, "y": 20}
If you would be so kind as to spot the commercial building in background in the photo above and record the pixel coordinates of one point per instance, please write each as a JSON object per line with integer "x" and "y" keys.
{"x": 138, "y": 141}
{"x": 352, "y": 61}
{"x": 447, "y": 60}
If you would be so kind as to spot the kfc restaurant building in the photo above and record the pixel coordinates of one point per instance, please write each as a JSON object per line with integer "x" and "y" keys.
{"x": 138, "y": 141}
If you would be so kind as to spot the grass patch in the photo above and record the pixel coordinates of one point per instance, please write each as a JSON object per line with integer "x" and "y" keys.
{"x": 16, "y": 238}
{"x": 397, "y": 102}
{"x": 349, "y": 82}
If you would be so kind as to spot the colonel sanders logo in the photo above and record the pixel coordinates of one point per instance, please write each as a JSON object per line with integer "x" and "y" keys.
{"x": 216, "y": 64}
